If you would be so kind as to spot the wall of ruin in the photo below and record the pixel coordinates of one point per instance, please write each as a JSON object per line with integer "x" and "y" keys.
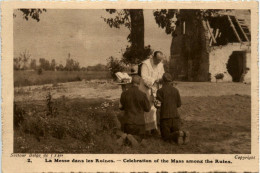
{"x": 218, "y": 59}
{"x": 247, "y": 78}
{"x": 189, "y": 51}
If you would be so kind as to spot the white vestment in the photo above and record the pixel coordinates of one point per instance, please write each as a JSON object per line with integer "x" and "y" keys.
{"x": 150, "y": 73}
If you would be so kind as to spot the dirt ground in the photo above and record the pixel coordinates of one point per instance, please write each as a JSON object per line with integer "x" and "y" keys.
{"x": 109, "y": 90}
{"x": 218, "y": 116}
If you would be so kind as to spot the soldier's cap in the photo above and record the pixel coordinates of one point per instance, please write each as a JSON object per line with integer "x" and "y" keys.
{"x": 167, "y": 77}
{"x": 136, "y": 79}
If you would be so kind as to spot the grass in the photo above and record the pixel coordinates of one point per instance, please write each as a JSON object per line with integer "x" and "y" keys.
{"x": 79, "y": 120}
{"x": 27, "y": 78}
{"x": 86, "y": 126}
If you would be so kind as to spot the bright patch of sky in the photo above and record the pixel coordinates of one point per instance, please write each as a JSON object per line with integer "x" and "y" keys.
{"x": 83, "y": 34}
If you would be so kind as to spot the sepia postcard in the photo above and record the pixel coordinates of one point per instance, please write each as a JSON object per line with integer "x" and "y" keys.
{"x": 126, "y": 86}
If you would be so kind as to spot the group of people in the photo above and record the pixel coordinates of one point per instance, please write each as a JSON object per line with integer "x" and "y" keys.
{"x": 150, "y": 104}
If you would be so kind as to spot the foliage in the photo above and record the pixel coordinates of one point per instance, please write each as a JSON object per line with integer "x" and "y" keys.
{"x": 60, "y": 67}
{"x": 71, "y": 64}
{"x": 205, "y": 14}
{"x": 24, "y": 62}
{"x": 39, "y": 71}
{"x": 168, "y": 19}
{"x": 21, "y": 62}
{"x": 219, "y": 76}
{"x": 98, "y": 67}
{"x": 44, "y": 64}
{"x": 34, "y": 125}
{"x": 51, "y": 108}
{"x": 114, "y": 65}
{"x": 40, "y": 123}
{"x": 33, "y": 65}
{"x": 56, "y": 128}
{"x": 40, "y": 126}
{"x": 133, "y": 56}
{"x": 17, "y": 63}
{"x": 53, "y": 65}
{"x": 122, "y": 18}
{"x": 19, "y": 114}
{"x": 83, "y": 129}
{"x": 132, "y": 19}
{"x": 33, "y": 13}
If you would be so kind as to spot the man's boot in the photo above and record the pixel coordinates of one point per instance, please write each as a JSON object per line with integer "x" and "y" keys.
{"x": 186, "y": 137}
{"x": 132, "y": 140}
{"x": 155, "y": 132}
{"x": 180, "y": 135}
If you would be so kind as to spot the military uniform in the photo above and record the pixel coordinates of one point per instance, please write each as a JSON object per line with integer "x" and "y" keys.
{"x": 170, "y": 122}
{"x": 134, "y": 102}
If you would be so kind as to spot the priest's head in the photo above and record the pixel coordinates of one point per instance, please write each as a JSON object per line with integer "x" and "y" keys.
{"x": 157, "y": 57}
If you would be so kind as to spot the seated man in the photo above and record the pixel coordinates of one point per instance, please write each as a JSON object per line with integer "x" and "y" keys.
{"x": 134, "y": 103}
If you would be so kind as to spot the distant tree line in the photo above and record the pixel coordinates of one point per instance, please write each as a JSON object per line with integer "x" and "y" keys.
{"x": 24, "y": 62}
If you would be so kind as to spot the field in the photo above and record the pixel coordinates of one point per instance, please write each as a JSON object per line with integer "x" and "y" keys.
{"x": 27, "y": 78}
{"x": 79, "y": 117}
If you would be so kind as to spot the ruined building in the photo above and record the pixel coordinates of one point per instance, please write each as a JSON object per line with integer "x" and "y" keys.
{"x": 218, "y": 45}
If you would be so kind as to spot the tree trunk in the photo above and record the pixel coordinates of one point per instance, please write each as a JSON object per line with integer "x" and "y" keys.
{"x": 137, "y": 29}
{"x": 203, "y": 71}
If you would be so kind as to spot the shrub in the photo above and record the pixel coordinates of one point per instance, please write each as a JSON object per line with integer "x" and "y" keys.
{"x": 136, "y": 56}
{"x": 78, "y": 78}
{"x": 219, "y": 76}
{"x": 51, "y": 108}
{"x": 42, "y": 126}
{"x": 27, "y": 82}
{"x": 56, "y": 128}
{"x": 18, "y": 115}
{"x": 114, "y": 65}
{"x": 81, "y": 130}
{"x": 39, "y": 71}
{"x": 20, "y": 142}
{"x": 71, "y": 64}
{"x": 35, "y": 125}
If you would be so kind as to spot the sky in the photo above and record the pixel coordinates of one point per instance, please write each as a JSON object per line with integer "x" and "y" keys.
{"x": 82, "y": 33}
